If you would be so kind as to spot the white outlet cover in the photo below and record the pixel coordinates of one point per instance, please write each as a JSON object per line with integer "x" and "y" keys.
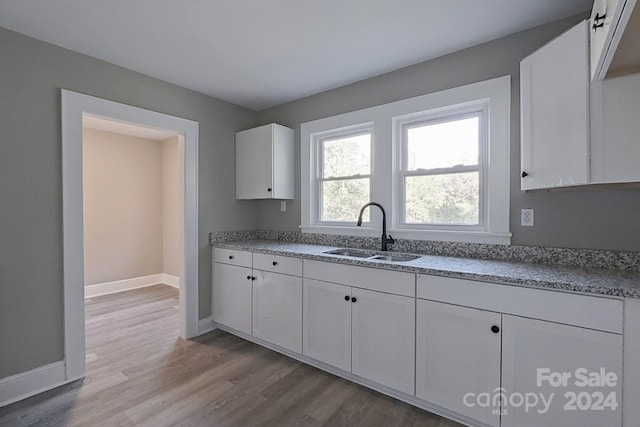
{"x": 526, "y": 217}
{"x": 283, "y": 206}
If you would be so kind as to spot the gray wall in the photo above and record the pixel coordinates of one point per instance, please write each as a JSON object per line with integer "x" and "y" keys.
{"x": 31, "y": 75}
{"x": 595, "y": 219}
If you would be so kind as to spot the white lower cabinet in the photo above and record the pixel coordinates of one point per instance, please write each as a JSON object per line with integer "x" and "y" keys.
{"x": 232, "y": 296}
{"x": 327, "y": 323}
{"x": 499, "y": 369}
{"x": 458, "y": 358}
{"x": 573, "y": 368}
{"x": 383, "y": 338}
{"x": 265, "y": 302}
{"x": 481, "y": 353}
{"x": 510, "y": 371}
{"x": 277, "y": 309}
{"x": 369, "y": 333}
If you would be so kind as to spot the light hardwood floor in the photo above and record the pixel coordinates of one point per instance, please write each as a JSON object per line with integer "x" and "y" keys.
{"x": 140, "y": 373}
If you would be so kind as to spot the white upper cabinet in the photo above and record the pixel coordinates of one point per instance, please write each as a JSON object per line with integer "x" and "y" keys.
{"x": 576, "y": 132}
{"x": 264, "y": 163}
{"x": 615, "y": 151}
{"x": 601, "y": 31}
{"x": 554, "y": 85}
{"x": 615, "y": 34}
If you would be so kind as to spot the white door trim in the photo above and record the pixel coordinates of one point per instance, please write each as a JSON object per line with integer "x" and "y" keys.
{"x": 74, "y": 105}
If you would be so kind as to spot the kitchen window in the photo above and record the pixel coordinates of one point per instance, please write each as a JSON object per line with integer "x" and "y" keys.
{"x": 438, "y": 163}
{"x": 441, "y": 169}
{"x": 343, "y": 174}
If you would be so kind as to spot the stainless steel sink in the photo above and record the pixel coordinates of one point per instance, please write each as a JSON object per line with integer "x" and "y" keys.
{"x": 353, "y": 253}
{"x": 395, "y": 257}
{"x": 372, "y": 256}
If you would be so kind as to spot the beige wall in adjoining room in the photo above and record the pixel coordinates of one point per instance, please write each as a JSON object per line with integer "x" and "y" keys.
{"x": 123, "y": 203}
{"x": 172, "y": 205}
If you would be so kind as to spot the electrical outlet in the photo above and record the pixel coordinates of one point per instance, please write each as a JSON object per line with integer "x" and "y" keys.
{"x": 526, "y": 217}
{"x": 283, "y": 206}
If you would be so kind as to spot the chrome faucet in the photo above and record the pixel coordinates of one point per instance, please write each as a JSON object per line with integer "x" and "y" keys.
{"x": 386, "y": 240}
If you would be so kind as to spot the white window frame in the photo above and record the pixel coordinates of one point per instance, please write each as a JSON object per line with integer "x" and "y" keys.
{"x": 386, "y": 121}
{"x": 441, "y": 115}
{"x": 318, "y": 178}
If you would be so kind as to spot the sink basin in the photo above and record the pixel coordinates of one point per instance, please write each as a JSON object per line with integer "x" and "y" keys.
{"x": 395, "y": 257}
{"x": 372, "y": 256}
{"x": 354, "y": 253}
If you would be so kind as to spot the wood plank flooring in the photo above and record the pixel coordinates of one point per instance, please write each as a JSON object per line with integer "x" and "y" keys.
{"x": 140, "y": 373}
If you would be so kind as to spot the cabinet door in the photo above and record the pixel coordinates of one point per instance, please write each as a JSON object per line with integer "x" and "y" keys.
{"x": 277, "y": 309}
{"x": 604, "y": 11}
{"x": 534, "y": 350}
{"x": 616, "y": 151}
{"x": 232, "y": 296}
{"x": 457, "y": 353}
{"x": 327, "y": 323}
{"x": 254, "y": 163}
{"x": 554, "y": 97}
{"x": 383, "y": 338}
{"x": 283, "y": 163}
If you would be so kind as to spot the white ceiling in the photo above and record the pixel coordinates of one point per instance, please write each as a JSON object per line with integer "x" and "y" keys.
{"x": 260, "y": 53}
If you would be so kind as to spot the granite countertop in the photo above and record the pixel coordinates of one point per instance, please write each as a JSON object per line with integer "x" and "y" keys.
{"x": 608, "y": 282}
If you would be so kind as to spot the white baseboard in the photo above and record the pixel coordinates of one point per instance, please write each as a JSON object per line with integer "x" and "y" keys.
{"x": 43, "y": 378}
{"x": 206, "y": 325}
{"x": 128, "y": 284}
{"x": 26, "y": 384}
{"x": 173, "y": 281}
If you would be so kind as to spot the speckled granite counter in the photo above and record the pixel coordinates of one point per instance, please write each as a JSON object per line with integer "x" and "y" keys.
{"x": 574, "y": 279}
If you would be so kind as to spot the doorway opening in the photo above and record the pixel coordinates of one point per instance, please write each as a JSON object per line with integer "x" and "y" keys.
{"x": 132, "y": 188}
{"x": 78, "y": 109}
{"x": 132, "y": 192}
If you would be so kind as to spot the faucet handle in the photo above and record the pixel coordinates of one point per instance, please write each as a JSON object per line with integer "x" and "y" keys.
{"x": 389, "y": 239}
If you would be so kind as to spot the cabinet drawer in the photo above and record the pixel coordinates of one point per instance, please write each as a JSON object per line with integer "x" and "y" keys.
{"x": 278, "y": 264}
{"x": 375, "y": 279}
{"x": 599, "y": 313}
{"x": 232, "y": 256}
